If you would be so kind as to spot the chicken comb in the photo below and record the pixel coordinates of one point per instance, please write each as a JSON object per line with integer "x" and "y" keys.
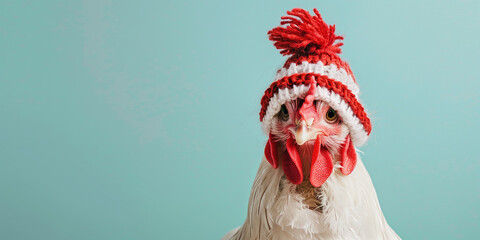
{"x": 305, "y": 34}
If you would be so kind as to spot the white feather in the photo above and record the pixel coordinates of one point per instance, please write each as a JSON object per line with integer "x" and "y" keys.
{"x": 350, "y": 209}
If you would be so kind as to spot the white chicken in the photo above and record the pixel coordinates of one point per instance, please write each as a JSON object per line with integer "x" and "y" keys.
{"x": 311, "y": 184}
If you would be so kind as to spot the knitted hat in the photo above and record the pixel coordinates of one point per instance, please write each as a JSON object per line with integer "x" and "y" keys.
{"x": 313, "y": 48}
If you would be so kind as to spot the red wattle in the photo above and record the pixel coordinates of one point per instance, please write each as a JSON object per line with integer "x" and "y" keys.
{"x": 322, "y": 164}
{"x": 348, "y": 157}
{"x": 292, "y": 164}
{"x": 271, "y": 152}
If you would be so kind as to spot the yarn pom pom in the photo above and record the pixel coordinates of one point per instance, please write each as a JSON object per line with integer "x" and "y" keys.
{"x": 305, "y": 34}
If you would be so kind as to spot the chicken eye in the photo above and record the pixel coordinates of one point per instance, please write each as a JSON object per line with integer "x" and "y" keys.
{"x": 284, "y": 113}
{"x": 331, "y": 116}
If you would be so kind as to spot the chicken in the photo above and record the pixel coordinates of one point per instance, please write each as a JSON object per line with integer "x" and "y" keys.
{"x": 311, "y": 183}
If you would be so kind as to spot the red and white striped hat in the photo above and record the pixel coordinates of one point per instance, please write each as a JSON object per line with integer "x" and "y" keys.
{"x": 313, "y": 48}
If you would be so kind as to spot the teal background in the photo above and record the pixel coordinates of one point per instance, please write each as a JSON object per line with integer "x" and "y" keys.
{"x": 139, "y": 119}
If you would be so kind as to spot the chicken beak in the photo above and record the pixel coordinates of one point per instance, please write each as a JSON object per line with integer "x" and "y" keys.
{"x": 303, "y": 133}
{"x": 308, "y": 111}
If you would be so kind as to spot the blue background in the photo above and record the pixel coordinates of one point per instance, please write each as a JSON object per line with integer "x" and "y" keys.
{"x": 139, "y": 119}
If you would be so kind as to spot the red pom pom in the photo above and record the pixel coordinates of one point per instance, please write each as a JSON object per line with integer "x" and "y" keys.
{"x": 305, "y": 34}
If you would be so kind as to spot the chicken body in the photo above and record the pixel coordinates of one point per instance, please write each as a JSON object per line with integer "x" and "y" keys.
{"x": 343, "y": 207}
{"x": 350, "y": 209}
